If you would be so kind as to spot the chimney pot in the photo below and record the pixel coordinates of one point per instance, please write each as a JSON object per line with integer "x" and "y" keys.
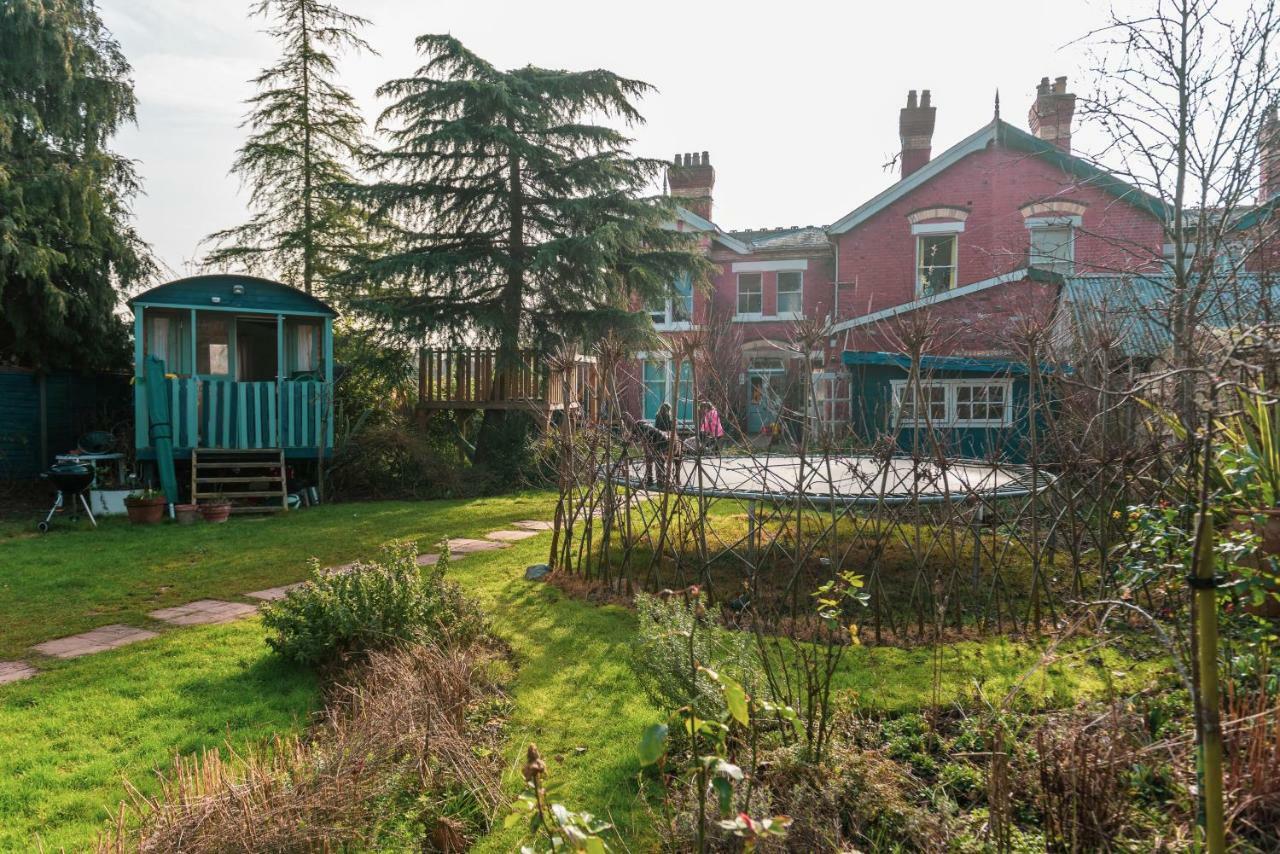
{"x": 1051, "y": 112}
{"x": 691, "y": 180}
{"x": 915, "y": 130}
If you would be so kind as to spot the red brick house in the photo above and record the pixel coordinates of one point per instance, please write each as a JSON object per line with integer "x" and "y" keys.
{"x": 968, "y": 239}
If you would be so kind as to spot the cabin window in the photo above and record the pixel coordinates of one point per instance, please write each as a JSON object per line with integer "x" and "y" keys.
{"x": 750, "y": 294}
{"x": 256, "y": 349}
{"x": 1053, "y": 248}
{"x": 167, "y": 335}
{"x": 791, "y": 294}
{"x": 953, "y": 403}
{"x": 213, "y": 344}
{"x": 936, "y": 263}
{"x": 302, "y": 339}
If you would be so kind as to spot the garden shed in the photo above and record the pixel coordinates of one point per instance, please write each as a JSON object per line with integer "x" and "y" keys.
{"x": 248, "y": 370}
{"x": 977, "y": 407}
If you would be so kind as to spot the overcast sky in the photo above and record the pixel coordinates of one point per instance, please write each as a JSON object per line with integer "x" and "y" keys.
{"x": 797, "y": 101}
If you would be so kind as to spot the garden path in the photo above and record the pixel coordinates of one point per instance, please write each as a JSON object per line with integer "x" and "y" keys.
{"x": 210, "y": 611}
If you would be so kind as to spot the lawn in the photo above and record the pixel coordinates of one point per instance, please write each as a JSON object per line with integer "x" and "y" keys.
{"x": 70, "y": 736}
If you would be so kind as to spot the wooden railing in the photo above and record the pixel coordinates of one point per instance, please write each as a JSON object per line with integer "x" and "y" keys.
{"x": 470, "y": 379}
{"x": 289, "y": 414}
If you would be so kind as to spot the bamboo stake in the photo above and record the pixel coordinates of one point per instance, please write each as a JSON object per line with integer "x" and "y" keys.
{"x": 1205, "y": 602}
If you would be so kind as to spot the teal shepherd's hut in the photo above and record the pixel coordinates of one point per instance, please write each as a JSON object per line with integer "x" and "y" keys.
{"x": 248, "y": 367}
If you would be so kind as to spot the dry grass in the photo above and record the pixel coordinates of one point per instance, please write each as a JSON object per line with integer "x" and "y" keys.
{"x": 402, "y": 721}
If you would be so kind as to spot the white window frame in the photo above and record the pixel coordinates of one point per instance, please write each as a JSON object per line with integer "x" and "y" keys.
{"x": 1070, "y": 223}
{"x": 777, "y": 294}
{"x": 951, "y": 386}
{"x": 739, "y": 314}
{"x": 949, "y": 229}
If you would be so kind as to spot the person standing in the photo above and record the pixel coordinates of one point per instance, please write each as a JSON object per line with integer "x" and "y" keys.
{"x": 710, "y": 429}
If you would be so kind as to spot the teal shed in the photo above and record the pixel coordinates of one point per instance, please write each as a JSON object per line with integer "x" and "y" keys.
{"x": 977, "y": 408}
{"x": 248, "y": 365}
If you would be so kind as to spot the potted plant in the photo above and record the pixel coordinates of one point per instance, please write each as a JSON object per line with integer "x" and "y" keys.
{"x": 145, "y": 507}
{"x": 186, "y": 514}
{"x": 215, "y": 509}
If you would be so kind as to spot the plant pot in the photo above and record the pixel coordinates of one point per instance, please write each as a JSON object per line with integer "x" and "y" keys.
{"x": 187, "y": 514}
{"x": 145, "y": 511}
{"x": 215, "y": 511}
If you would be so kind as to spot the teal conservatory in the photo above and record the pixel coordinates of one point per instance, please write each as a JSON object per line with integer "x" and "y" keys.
{"x": 231, "y": 364}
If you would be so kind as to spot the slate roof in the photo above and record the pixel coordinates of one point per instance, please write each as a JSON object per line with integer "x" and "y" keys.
{"x": 1133, "y": 311}
{"x": 777, "y": 239}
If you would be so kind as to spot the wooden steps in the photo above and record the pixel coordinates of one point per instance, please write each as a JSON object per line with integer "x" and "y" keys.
{"x": 256, "y": 475}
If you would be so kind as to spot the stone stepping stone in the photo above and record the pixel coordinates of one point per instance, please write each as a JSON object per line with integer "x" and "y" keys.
{"x": 12, "y": 671}
{"x": 510, "y": 536}
{"x": 203, "y": 612}
{"x": 534, "y": 525}
{"x": 428, "y": 559}
{"x": 465, "y": 546}
{"x": 99, "y": 640}
{"x": 271, "y": 594}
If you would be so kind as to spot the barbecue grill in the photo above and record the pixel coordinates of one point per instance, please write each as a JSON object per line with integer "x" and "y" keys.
{"x": 71, "y": 480}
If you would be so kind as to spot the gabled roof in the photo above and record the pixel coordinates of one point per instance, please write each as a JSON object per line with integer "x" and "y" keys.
{"x": 1005, "y": 134}
{"x": 1133, "y": 310}
{"x": 714, "y": 231}
{"x": 218, "y": 290}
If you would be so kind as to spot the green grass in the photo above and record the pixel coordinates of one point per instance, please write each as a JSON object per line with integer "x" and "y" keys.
{"x": 75, "y": 579}
{"x": 69, "y": 736}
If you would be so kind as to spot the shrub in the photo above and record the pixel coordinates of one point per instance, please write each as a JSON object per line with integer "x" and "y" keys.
{"x": 672, "y": 636}
{"x": 374, "y": 605}
{"x": 396, "y": 756}
{"x": 393, "y": 460}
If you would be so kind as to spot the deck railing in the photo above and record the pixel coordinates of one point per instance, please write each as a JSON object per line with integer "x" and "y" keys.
{"x": 209, "y": 413}
{"x": 470, "y": 378}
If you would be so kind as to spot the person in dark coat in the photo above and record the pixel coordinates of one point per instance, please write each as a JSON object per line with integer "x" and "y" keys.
{"x": 655, "y": 444}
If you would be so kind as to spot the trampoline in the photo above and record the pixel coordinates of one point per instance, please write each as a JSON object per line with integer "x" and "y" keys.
{"x": 839, "y": 481}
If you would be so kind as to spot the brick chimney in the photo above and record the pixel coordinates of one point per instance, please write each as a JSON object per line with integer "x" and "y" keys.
{"x": 915, "y": 127}
{"x": 1050, "y": 115}
{"x": 691, "y": 180}
{"x": 1269, "y": 156}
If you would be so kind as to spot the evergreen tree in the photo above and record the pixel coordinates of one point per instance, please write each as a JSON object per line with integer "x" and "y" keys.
{"x": 306, "y": 134}
{"x": 67, "y": 244}
{"x": 518, "y": 220}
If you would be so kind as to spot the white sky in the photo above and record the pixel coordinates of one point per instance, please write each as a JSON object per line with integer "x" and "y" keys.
{"x": 797, "y": 101}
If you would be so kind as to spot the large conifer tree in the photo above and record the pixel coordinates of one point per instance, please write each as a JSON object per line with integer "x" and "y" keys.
{"x": 518, "y": 219}
{"x": 306, "y": 134}
{"x": 67, "y": 244}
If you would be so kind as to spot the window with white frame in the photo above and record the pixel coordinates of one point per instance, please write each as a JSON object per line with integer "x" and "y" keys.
{"x": 791, "y": 294}
{"x": 674, "y": 309}
{"x": 750, "y": 294}
{"x": 1053, "y": 247}
{"x": 659, "y": 379}
{"x": 936, "y": 262}
{"x": 953, "y": 403}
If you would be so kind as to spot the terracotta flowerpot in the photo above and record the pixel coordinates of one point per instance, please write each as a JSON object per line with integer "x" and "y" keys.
{"x": 145, "y": 511}
{"x": 187, "y": 514}
{"x": 215, "y": 511}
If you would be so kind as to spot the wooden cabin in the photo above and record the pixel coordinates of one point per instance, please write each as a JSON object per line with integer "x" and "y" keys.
{"x": 249, "y": 368}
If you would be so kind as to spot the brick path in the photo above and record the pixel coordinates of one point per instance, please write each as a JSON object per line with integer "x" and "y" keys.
{"x": 210, "y": 611}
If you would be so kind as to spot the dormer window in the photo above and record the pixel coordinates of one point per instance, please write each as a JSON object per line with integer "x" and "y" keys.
{"x": 937, "y": 232}
{"x": 1052, "y": 228}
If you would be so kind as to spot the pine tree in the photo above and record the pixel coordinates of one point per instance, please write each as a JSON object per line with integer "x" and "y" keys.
{"x": 67, "y": 243}
{"x": 306, "y": 134}
{"x": 519, "y": 221}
